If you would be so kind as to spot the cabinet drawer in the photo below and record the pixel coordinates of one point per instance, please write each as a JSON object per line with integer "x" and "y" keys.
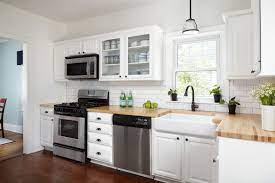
{"x": 100, "y": 117}
{"x": 101, "y": 153}
{"x": 100, "y": 139}
{"x": 46, "y": 111}
{"x": 100, "y": 128}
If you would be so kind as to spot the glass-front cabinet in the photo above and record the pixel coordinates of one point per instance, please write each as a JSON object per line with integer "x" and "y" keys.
{"x": 132, "y": 55}
{"x": 111, "y": 58}
{"x": 138, "y": 63}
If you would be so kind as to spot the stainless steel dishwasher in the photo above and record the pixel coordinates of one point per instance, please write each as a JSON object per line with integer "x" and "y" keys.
{"x": 132, "y": 143}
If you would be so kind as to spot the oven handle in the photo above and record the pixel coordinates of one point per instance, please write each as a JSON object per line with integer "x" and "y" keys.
{"x": 59, "y": 127}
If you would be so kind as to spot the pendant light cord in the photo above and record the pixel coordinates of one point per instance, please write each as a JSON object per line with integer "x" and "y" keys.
{"x": 190, "y": 9}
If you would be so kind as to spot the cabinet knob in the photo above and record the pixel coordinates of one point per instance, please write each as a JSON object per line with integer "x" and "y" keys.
{"x": 126, "y": 76}
{"x": 120, "y": 76}
{"x": 98, "y": 140}
{"x": 46, "y": 112}
{"x": 78, "y": 52}
{"x": 98, "y": 153}
{"x": 214, "y": 160}
{"x": 186, "y": 139}
{"x": 98, "y": 118}
{"x": 253, "y": 71}
{"x": 51, "y": 119}
{"x": 178, "y": 138}
{"x": 83, "y": 52}
{"x": 98, "y": 129}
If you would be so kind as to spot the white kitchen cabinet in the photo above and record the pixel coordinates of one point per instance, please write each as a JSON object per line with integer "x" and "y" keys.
{"x": 200, "y": 160}
{"x": 267, "y": 38}
{"x": 46, "y": 127}
{"x": 59, "y": 62}
{"x": 73, "y": 48}
{"x": 132, "y": 55}
{"x": 167, "y": 155}
{"x": 111, "y": 58}
{"x": 184, "y": 159}
{"x": 90, "y": 46}
{"x": 100, "y": 138}
{"x": 241, "y": 59}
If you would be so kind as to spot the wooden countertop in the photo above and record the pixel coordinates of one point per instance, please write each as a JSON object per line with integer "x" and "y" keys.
{"x": 244, "y": 126}
{"x": 48, "y": 105}
{"x": 135, "y": 111}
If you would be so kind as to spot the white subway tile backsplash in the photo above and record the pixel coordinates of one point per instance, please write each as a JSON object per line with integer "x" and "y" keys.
{"x": 157, "y": 92}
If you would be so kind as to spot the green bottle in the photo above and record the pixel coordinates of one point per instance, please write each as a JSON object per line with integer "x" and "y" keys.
{"x": 122, "y": 98}
{"x": 130, "y": 100}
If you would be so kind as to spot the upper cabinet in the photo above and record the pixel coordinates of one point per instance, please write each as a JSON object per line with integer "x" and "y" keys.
{"x": 132, "y": 55}
{"x": 241, "y": 45}
{"x": 267, "y": 37}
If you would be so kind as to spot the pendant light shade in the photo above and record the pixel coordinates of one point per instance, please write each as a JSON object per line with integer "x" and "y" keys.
{"x": 190, "y": 26}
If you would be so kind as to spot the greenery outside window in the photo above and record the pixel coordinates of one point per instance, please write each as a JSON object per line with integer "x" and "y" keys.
{"x": 197, "y": 64}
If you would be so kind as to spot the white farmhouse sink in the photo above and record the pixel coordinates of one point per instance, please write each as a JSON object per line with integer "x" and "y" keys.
{"x": 187, "y": 124}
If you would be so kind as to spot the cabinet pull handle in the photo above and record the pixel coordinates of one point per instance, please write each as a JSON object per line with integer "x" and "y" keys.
{"x": 186, "y": 139}
{"x": 178, "y": 138}
{"x": 98, "y": 140}
{"x": 98, "y": 118}
{"x": 98, "y": 129}
{"x": 98, "y": 153}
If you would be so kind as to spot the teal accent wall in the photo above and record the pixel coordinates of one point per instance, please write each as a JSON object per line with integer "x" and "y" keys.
{"x": 11, "y": 81}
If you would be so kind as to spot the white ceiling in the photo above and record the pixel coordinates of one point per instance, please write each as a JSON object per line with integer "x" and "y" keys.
{"x": 75, "y": 10}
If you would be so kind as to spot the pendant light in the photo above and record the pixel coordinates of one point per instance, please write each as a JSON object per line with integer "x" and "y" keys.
{"x": 190, "y": 26}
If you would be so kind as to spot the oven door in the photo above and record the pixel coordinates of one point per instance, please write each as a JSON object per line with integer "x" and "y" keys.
{"x": 69, "y": 131}
{"x": 77, "y": 68}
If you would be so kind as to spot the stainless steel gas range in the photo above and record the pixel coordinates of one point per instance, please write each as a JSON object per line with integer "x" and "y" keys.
{"x": 70, "y": 124}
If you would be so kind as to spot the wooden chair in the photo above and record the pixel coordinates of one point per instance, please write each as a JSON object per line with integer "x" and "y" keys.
{"x": 3, "y": 102}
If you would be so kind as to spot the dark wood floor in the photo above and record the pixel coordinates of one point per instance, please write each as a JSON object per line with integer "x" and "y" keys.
{"x": 44, "y": 167}
{"x": 11, "y": 149}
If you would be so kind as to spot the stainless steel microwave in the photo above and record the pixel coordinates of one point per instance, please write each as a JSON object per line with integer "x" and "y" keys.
{"x": 82, "y": 66}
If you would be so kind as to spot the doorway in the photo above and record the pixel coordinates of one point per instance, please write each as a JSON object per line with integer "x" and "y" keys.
{"x": 12, "y": 81}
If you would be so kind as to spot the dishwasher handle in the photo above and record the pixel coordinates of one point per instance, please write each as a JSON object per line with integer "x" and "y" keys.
{"x": 132, "y": 121}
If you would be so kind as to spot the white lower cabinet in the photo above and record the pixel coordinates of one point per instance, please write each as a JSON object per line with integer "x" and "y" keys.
{"x": 200, "y": 162}
{"x": 184, "y": 159}
{"x": 167, "y": 154}
{"x": 46, "y": 127}
{"x": 100, "y": 138}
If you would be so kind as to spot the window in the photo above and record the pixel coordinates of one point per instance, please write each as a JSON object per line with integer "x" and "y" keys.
{"x": 197, "y": 63}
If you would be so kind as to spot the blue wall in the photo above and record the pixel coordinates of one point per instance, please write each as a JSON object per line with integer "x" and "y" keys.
{"x": 11, "y": 81}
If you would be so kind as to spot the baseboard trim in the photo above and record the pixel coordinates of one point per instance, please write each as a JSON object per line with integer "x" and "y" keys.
{"x": 13, "y": 128}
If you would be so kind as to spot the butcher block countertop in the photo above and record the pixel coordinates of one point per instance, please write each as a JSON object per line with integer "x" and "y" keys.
{"x": 135, "y": 111}
{"x": 244, "y": 126}
{"x": 48, "y": 105}
{"x": 239, "y": 126}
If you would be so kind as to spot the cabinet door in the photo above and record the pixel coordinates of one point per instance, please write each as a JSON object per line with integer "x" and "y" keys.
{"x": 90, "y": 46}
{"x": 47, "y": 131}
{"x": 200, "y": 160}
{"x": 267, "y": 37}
{"x": 111, "y": 65}
{"x": 167, "y": 155}
{"x": 240, "y": 49}
{"x": 73, "y": 48}
{"x": 139, "y": 62}
{"x": 59, "y": 62}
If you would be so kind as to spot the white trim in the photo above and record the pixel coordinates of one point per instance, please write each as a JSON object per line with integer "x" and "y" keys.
{"x": 13, "y": 128}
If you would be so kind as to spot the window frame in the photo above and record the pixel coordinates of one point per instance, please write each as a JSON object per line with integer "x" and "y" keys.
{"x": 199, "y": 38}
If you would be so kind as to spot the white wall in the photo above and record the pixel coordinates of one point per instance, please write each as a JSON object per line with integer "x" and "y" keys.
{"x": 38, "y": 33}
{"x": 10, "y": 72}
{"x": 169, "y": 14}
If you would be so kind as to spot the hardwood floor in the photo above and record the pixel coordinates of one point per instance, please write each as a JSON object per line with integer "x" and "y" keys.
{"x": 44, "y": 167}
{"x": 11, "y": 149}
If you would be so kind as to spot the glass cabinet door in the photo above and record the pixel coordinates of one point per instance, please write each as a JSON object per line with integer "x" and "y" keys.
{"x": 110, "y": 57}
{"x": 139, "y": 55}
